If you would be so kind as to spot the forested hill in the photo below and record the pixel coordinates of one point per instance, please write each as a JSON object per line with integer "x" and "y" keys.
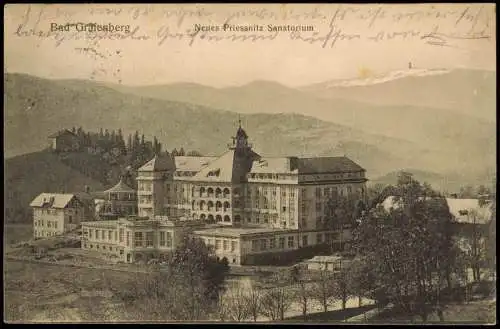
{"x": 104, "y": 157}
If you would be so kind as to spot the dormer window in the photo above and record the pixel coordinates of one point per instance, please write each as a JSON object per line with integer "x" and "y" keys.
{"x": 214, "y": 173}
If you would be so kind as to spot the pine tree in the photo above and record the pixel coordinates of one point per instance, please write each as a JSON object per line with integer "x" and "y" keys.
{"x": 136, "y": 142}
{"x": 121, "y": 142}
{"x": 129, "y": 144}
{"x": 155, "y": 145}
{"x": 114, "y": 140}
{"x": 175, "y": 152}
{"x": 181, "y": 152}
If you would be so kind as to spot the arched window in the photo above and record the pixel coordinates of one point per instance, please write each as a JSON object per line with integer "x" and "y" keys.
{"x": 202, "y": 191}
{"x": 202, "y": 205}
{"x": 193, "y": 205}
{"x": 226, "y": 206}
{"x": 192, "y": 191}
{"x": 218, "y": 206}
{"x": 218, "y": 192}
{"x": 210, "y": 205}
{"x": 227, "y": 218}
{"x": 218, "y": 218}
{"x": 210, "y": 192}
{"x": 211, "y": 218}
{"x": 203, "y": 216}
{"x": 226, "y": 193}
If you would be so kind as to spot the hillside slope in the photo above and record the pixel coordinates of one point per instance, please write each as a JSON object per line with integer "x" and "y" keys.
{"x": 28, "y": 175}
{"x": 452, "y": 132}
{"x": 36, "y": 107}
{"x": 31, "y": 101}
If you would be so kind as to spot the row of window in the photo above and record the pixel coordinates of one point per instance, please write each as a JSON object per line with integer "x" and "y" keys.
{"x": 271, "y": 176}
{"x": 359, "y": 174}
{"x": 49, "y": 223}
{"x": 210, "y": 206}
{"x": 109, "y": 208}
{"x": 262, "y": 244}
{"x": 40, "y": 234}
{"x": 103, "y": 247}
{"x": 332, "y": 191}
{"x": 109, "y": 235}
{"x": 141, "y": 239}
{"x": 49, "y": 211}
{"x": 122, "y": 196}
{"x": 226, "y": 245}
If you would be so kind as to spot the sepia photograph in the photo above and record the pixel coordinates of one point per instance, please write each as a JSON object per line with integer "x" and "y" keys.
{"x": 250, "y": 163}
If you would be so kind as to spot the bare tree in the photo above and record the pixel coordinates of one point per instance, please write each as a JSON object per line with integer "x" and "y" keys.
{"x": 253, "y": 299}
{"x": 275, "y": 302}
{"x": 323, "y": 288}
{"x": 303, "y": 292}
{"x": 233, "y": 304}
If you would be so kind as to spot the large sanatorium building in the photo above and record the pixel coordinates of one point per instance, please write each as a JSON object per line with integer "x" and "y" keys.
{"x": 242, "y": 204}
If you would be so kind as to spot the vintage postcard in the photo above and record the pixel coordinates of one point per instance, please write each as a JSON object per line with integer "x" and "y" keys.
{"x": 232, "y": 163}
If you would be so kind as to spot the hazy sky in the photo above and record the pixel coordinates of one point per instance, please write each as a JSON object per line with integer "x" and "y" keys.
{"x": 347, "y": 41}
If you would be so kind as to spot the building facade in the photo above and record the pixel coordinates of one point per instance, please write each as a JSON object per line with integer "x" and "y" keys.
{"x": 248, "y": 246}
{"x": 133, "y": 238}
{"x": 118, "y": 201}
{"x": 241, "y": 189}
{"x": 64, "y": 141}
{"x": 245, "y": 206}
{"x": 56, "y": 214}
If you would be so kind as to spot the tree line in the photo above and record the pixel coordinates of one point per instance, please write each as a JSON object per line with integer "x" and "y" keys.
{"x": 137, "y": 149}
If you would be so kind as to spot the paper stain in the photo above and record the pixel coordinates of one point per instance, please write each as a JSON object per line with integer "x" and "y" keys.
{"x": 364, "y": 72}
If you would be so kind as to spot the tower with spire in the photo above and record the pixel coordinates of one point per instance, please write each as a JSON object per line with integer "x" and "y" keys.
{"x": 240, "y": 141}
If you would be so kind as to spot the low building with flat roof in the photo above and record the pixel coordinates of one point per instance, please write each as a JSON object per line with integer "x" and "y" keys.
{"x": 247, "y": 246}
{"x": 131, "y": 239}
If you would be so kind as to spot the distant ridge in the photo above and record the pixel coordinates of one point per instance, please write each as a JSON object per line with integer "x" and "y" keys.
{"x": 435, "y": 140}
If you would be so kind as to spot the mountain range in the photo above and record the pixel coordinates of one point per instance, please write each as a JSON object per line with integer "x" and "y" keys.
{"x": 385, "y": 124}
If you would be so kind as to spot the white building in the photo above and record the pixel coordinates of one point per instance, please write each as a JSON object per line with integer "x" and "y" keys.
{"x": 55, "y": 214}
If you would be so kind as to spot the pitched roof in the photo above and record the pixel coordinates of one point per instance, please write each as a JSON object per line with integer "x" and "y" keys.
{"x": 52, "y": 200}
{"x": 120, "y": 187}
{"x": 273, "y": 165}
{"x": 241, "y": 133}
{"x": 219, "y": 170}
{"x": 327, "y": 165}
{"x": 159, "y": 163}
{"x": 192, "y": 163}
{"x": 61, "y": 132}
{"x": 229, "y": 167}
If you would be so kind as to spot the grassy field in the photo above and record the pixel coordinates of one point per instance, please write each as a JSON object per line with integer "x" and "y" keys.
{"x": 44, "y": 293}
